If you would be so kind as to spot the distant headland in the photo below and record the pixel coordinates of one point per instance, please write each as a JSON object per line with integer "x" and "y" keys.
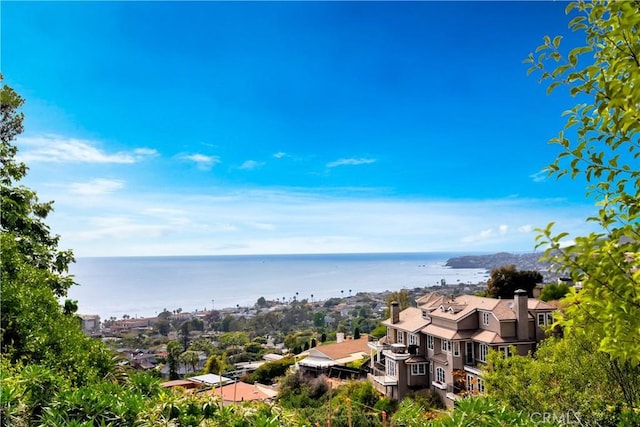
{"x": 525, "y": 261}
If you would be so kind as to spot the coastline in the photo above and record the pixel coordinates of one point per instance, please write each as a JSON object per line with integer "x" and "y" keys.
{"x": 144, "y": 286}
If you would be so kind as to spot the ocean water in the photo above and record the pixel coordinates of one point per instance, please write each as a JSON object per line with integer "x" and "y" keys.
{"x": 144, "y": 286}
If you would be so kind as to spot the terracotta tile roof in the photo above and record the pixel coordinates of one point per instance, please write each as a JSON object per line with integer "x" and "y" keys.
{"x": 411, "y": 320}
{"x": 239, "y": 392}
{"x": 342, "y": 350}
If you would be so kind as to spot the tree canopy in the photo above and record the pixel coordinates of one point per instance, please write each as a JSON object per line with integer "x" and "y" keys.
{"x": 35, "y": 328}
{"x": 600, "y": 143}
{"x": 504, "y": 281}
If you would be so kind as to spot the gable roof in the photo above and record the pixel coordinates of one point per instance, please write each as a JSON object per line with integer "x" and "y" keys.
{"x": 411, "y": 320}
{"x": 344, "y": 349}
{"x": 463, "y": 305}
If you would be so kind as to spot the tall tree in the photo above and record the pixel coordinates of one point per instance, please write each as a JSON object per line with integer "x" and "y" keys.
{"x": 504, "y": 281}
{"x": 174, "y": 350}
{"x": 601, "y": 144}
{"x": 35, "y": 328}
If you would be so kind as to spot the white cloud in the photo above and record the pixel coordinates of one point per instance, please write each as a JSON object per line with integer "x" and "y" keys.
{"x": 540, "y": 176}
{"x": 350, "y": 162}
{"x": 250, "y": 164}
{"x": 60, "y": 149}
{"x": 527, "y": 228}
{"x": 280, "y": 154}
{"x": 261, "y": 226}
{"x": 96, "y": 187}
{"x": 202, "y": 161}
{"x": 252, "y": 221}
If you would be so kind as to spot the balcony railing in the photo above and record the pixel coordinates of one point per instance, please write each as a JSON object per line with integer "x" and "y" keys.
{"x": 377, "y": 372}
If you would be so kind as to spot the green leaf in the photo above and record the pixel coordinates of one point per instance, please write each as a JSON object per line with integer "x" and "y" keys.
{"x": 552, "y": 86}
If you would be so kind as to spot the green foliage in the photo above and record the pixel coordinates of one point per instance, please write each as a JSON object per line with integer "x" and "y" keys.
{"x": 401, "y": 297}
{"x": 202, "y": 344}
{"x": 298, "y": 391}
{"x": 190, "y": 358}
{"x": 174, "y": 350}
{"x": 600, "y": 144}
{"x": 229, "y": 339}
{"x": 483, "y": 412}
{"x": 504, "y": 281}
{"x": 553, "y": 291}
{"x": 216, "y": 364}
{"x": 410, "y": 414}
{"x": 566, "y": 375}
{"x": 379, "y": 331}
{"x": 360, "y": 392}
{"x": 144, "y": 383}
{"x": 101, "y": 403}
{"x": 269, "y": 371}
{"x": 35, "y": 328}
{"x": 428, "y": 399}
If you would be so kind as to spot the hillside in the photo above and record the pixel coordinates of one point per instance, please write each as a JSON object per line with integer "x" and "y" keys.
{"x": 526, "y": 261}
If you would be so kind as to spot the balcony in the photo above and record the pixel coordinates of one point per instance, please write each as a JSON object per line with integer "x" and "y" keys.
{"x": 455, "y": 393}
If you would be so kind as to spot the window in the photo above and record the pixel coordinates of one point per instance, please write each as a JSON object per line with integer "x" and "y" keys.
{"x": 480, "y": 385}
{"x": 425, "y": 314}
{"x": 413, "y": 339}
{"x": 400, "y": 339}
{"x": 485, "y": 318}
{"x": 391, "y": 368}
{"x": 468, "y": 353}
{"x": 541, "y": 318}
{"x": 483, "y": 349}
{"x": 504, "y": 349}
{"x": 430, "y": 342}
{"x": 440, "y": 375}
{"x": 418, "y": 369}
{"x": 446, "y": 346}
{"x": 456, "y": 348}
{"x": 549, "y": 319}
{"x": 471, "y": 383}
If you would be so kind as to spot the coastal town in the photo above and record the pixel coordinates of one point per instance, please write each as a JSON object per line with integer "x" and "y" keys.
{"x": 266, "y": 137}
{"x": 365, "y": 337}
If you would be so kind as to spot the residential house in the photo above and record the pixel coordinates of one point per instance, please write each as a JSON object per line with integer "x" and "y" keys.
{"x": 90, "y": 323}
{"x": 239, "y": 391}
{"x": 322, "y": 359}
{"x": 443, "y": 343}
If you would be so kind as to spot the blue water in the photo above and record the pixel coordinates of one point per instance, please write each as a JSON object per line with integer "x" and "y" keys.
{"x": 144, "y": 286}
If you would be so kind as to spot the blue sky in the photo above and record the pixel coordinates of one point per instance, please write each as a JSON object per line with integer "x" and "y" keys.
{"x": 164, "y": 128}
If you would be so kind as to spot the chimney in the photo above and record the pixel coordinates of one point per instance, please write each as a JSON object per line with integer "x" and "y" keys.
{"x": 339, "y": 337}
{"x": 395, "y": 312}
{"x": 522, "y": 314}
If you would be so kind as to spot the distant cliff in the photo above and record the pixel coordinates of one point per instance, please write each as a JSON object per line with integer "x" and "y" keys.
{"x": 528, "y": 261}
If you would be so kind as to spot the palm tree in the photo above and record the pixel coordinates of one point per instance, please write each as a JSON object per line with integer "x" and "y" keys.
{"x": 311, "y": 297}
